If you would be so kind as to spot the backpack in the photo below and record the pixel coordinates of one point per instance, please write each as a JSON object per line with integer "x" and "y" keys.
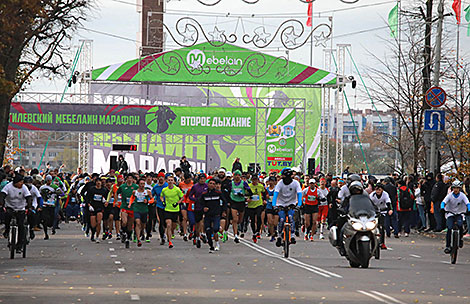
{"x": 404, "y": 199}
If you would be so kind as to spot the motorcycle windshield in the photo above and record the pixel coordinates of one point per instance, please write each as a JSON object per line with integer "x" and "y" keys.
{"x": 361, "y": 205}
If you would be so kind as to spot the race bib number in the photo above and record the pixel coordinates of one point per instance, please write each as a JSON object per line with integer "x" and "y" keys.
{"x": 73, "y": 200}
{"x": 237, "y": 191}
{"x": 311, "y": 197}
{"x": 50, "y": 202}
{"x": 255, "y": 198}
{"x": 98, "y": 197}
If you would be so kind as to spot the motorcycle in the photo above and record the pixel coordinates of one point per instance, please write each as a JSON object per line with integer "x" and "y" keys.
{"x": 359, "y": 233}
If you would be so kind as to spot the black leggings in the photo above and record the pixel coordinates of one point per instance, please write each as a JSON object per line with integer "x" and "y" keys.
{"x": 161, "y": 225}
{"x": 255, "y": 218}
{"x": 152, "y": 219}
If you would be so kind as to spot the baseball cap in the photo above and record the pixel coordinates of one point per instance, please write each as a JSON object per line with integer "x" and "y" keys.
{"x": 49, "y": 178}
{"x": 312, "y": 180}
{"x": 272, "y": 179}
{"x": 221, "y": 170}
{"x": 201, "y": 175}
{"x": 228, "y": 174}
{"x": 237, "y": 172}
{"x": 161, "y": 174}
{"x": 120, "y": 177}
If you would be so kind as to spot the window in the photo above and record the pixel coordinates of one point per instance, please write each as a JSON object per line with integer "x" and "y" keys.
{"x": 52, "y": 154}
{"x": 34, "y": 154}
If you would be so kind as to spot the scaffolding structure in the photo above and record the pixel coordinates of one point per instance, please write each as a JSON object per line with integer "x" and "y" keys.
{"x": 85, "y": 67}
{"x": 326, "y": 116}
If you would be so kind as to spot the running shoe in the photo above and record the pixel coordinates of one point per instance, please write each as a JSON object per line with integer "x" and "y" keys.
{"x": 236, "y": 240}
{"x": 204, "y": 238}
{"x": 292, "y": 240}
{"x": 306, "y": 237}
{"x": 278, "y": 242}
{"x": 254, "y": 238}
{"x": 383, "y": 247}
{"x": 185, "y": 238}
{"x": 273, "y": 238}
{"x": 322, "y": 237}
{"x": 147, "y": 239}
{"x": 303, "y": 228}
{"x": 104, "y": 236}
{"x": 139, "y": 244}
{"x": 217, "y": 247}
{"x": 127, "y": 244}
{"x": 311, "y": 238}
{"x": 211, "y": 250}
{"x": 198, "y": 243}
{"x": 225, "y": 237}
{"x": 162, "y": 241}
{"x": 118, "y": 236}
{"x": 170, "y": 244}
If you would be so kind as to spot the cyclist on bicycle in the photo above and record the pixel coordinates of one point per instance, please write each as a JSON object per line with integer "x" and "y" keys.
{"x": 286, "y": 193}
{"x": 15, "y": 196}
{"x": 455, "y": 205}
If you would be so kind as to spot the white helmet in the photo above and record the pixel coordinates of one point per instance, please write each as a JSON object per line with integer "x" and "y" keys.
{"x": 456, "y": 184}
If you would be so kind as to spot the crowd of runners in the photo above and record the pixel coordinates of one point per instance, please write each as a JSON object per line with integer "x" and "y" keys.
{"x": 204, "y": 208}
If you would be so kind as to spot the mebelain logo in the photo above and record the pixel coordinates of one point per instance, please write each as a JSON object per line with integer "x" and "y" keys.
{"x": 196, "y": 58}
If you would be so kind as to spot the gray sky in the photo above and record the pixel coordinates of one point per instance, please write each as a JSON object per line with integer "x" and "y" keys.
{"x": 120, "y": 17}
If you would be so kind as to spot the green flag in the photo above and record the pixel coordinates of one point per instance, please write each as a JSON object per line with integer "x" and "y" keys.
{"x": 393, "y": 21}
{"x": 467, "y": 18}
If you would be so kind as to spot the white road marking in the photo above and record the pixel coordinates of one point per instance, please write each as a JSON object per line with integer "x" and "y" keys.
{"x": 387, "y": 297}
{"x": 415, "y": 256}
{"x": 374, "y": 297}
{"x": 122, "y": 269}
{"x": 135, "y": 298}
{"x": 291, "y": 261}
{"x": 110, "y": 242}
{"x": 111, "y": 249}
{"x": 117, "y": 262}
{"x": 113, "y": 256}
{"x": 445, "y": 262}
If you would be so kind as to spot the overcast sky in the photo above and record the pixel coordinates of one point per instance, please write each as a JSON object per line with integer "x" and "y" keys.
{"x": 360, "y": 24}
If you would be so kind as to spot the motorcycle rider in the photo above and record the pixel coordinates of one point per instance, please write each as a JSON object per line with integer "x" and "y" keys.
{"x": 355, "y": 187}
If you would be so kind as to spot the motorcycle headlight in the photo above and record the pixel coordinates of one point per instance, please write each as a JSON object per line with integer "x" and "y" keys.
{"x": 357, "y": 226}
{"x": 371, "y": 225}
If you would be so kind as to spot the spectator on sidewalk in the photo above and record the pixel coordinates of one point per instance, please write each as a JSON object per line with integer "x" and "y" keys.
{"x": 438, "y": 193}
{"x": 185, "y": 165}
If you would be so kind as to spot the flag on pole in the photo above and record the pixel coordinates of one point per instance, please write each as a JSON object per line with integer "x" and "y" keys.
{"x": 310, "y": 13}
{"x": 467, "y": 18}
{"x": 457, "y": 6}
{"x": 393, "y": 21}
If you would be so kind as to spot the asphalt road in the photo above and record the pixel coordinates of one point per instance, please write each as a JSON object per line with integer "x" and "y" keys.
{"x": 68, "y": 268}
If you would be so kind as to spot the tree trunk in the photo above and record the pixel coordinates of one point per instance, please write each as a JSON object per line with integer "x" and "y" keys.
{"x": 5, "y": 101}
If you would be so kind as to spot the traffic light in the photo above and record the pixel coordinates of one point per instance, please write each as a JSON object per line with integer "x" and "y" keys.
{"x": 123, "y": 147}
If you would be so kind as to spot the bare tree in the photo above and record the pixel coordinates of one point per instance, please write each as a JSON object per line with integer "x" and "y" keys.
{"x": 34, "y": 35}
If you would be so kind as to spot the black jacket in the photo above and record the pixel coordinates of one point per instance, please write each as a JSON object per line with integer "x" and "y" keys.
{"x": 185, "y": 166}
{"x": 426, "y": 190}
{"x": 122, "y": 166}
{"x": 215, "y": 201}
{"x": 237, "y": 166}
{"x": 439, "y": 192}
{"x": 392, "y": 192}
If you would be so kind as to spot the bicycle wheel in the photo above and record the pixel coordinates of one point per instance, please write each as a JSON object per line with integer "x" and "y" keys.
{"x": 286, "y": 240}
{"x": 455, "y": 246}
{"x": 12, "y": 242}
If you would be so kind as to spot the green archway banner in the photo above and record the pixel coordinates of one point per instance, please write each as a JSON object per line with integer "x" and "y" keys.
{"x": 206, "y": 64}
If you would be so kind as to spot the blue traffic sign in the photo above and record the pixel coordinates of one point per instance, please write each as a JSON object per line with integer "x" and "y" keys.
{"x": 434, "y": 120}
{"x": 436, "y": 97}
